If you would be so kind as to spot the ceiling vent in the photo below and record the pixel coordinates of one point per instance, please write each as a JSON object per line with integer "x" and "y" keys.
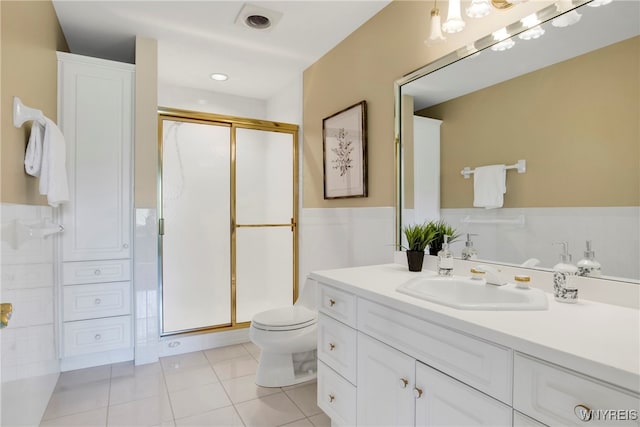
{"x": 257, "y": 18}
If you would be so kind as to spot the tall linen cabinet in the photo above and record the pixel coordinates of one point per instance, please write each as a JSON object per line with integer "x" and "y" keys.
{"x": 95, "y": 114}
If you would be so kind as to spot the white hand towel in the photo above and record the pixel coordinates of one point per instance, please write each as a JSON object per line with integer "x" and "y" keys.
{"x": 33, "y": 155}
{"x": 53, "y": 173}
{"x": 489, "y": 186}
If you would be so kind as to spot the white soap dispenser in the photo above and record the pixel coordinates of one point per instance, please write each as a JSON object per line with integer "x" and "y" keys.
{"x": 445, "y": 259}
{"x": 564, "y": 273}
{"x": 469, "y": 252}
{"x": 588, "y": 266}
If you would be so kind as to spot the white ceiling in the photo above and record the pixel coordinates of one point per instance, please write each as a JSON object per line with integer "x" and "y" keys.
{"x": 197, "y": 38}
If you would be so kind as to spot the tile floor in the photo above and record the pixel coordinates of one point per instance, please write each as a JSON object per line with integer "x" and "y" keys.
{"x": 205, "y": 388}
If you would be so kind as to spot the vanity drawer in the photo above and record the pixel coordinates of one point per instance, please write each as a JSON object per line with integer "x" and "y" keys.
{"x": 337, "y": 346}
{"x": 478, "y": 363}
{"x": 556, "y": 396}
{"x": 521, "y": 420}
{"x": 91, "y": 336}
{"x": 338, "y": 304}
{"x": 336, "y": 396}
{"x": 96, "y": 300}
{"x": 76, "y": 273}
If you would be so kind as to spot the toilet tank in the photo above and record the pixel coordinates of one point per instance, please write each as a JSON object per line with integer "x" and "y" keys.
{"x": 307, "y": 295}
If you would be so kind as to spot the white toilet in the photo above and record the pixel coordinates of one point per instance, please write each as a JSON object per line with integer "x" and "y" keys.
{"x": 287, "y": 338}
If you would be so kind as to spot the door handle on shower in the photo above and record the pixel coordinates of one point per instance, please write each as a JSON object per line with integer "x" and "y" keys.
{"x": 161, "y": 226}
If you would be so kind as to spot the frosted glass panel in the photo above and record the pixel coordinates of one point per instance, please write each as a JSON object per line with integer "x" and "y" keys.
{"x": 196, "y": 260}
{"x": 264, "y": 259}
{"x": 264, "y": 177}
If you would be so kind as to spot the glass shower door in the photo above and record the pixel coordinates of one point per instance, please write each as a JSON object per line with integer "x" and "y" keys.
{"x": 265, "y": 243}
{"x": 195, "y": 234}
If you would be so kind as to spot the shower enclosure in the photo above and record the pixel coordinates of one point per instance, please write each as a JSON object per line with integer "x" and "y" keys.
{"x": 228, "y": 213}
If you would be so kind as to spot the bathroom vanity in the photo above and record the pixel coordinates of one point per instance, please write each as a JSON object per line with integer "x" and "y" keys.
{"x": 390, "y": 359}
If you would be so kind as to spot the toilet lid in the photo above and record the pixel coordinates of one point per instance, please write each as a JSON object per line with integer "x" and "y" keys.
{"x": 285, "y": 318}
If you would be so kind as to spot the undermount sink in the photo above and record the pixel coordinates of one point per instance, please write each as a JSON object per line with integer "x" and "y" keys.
{"x": 470, "y": 294}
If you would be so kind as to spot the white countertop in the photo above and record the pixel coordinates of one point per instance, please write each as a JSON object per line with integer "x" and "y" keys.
{"x": 597, "y": 339}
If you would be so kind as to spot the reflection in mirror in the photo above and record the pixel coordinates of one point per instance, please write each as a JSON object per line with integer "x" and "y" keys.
{"x": 568, "y": 103}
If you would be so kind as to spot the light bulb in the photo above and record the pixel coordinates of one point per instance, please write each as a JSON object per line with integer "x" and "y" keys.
{"x": 478, "y": 8}
{"x": 454, "y": 22}
{"x": 435, "y": 35}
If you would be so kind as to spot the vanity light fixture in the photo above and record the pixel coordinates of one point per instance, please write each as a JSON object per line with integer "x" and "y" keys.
{"x": 598, "y": 3}
{"x": 534, "y": 29}
{"x": 478, "y": 8}
{"x": 219, "y": 77}
{"x": 435, "y": 35}
{"x": 505, "y": 42}
{"x": 454, "y": 22}
{"x": 567, "y": 19}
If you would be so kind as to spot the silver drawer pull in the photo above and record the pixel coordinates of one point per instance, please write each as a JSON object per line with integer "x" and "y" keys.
{"x": 126, "y": 246}
{"x": 332, "y": 302}
{"x": 97, "y": 272}
{"x": 331, "y": 398}
{"x": 331, "y": 346}
{"x": 97, "y": 337}
{"x": 404, "y": 382}
{"x": 97, "y": 301}
{"x": 583, "y": 413}
{"x": 417, "y": 392}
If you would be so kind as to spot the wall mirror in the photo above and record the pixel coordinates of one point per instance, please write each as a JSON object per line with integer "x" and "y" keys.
{"x": 565, "y": 101}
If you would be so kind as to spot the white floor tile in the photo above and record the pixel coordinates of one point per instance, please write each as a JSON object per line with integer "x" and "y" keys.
{"x": 242, "y": 389}
{"x": 253, "y": 349}
{"x": 291, "y": 387}
{"x": 300, "y": 423}
{"x": 235, "y": 368}
{"x": 320, "y": 420}
{"x": 183, "y": 361}
{"x": 152, "y": 411}
{"x": 128, "y": 369}
{"x": 95, "y": 418}
{"x": 225, "y": 353}
{"x": 71, "y": 379}
{"x": 223, "y": 417}
{"x": 80, "y": 398}
{"x": 269, "y": 411}
{"x": 305, "y": 398}
{"x": 198, "y": 400}
{"x": 129, "y": 388}
{"x": 190, "y": 377}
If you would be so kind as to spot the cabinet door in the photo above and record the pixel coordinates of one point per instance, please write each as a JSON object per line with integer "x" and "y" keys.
{"x": 385, "y": 385}
{"x": 95, "y": 116}
{"x": 444, "y": 401}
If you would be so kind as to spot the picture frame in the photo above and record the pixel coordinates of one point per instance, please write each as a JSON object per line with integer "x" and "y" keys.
{"x": 344, "y": 153}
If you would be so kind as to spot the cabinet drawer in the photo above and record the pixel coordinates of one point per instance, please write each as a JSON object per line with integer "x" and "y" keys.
{"x": 91, "y": 336}
{"x": 337, "y": 346}
{"x": 96, "y": 300}
{"x": 521, "y": 420}
{"x": 76, "y": 273}
{"x": 336, "y": 396}
{"x": 480, "y": 364}
{"x": 338, "y": 304}
{"x": 557, "y": 396}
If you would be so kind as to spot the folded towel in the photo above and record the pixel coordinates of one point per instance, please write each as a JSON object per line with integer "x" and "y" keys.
{"x": 33, "y": 155}
{"x": 53, "y": 171}
{"x": 489, "y": 186}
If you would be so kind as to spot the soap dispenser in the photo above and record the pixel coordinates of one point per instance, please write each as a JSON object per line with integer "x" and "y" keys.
{"x": 469, "y": 252}
{"x": 564, "y": 272}
{"x": 445, "y": 259}
{"x": 588, "y": 266}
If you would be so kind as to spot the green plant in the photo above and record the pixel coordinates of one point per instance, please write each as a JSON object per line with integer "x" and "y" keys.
{"x": 418, "y": 237}
{"x": 439, "y": 229}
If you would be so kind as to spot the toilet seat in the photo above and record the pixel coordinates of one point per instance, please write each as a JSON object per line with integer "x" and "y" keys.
{"x": 284, "y": 319}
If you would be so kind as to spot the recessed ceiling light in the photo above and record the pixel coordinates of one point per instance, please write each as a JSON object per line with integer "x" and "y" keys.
{"x": 219, "y": 77}
{"x": 259, "y": 22}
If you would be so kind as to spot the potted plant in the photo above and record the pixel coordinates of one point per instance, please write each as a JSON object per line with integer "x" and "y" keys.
{"x": 418, "y": 237}
{"x": 439, "y": 229}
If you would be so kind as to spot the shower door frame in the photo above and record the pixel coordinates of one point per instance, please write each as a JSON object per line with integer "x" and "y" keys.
{"x": 234, "y": 123}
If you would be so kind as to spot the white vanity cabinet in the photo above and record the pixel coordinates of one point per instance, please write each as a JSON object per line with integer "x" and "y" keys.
{"x": 95, "y": 114}
{"x": 414, "y": 372}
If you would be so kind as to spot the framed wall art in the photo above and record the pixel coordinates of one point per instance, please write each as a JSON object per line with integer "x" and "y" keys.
{"x": 344, "y": 147}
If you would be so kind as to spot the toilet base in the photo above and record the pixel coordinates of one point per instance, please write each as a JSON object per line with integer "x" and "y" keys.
{"x": 284, "y": 369}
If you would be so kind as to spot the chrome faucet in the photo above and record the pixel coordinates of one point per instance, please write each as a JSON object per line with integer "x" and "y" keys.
{"x": 492, "y": 275}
